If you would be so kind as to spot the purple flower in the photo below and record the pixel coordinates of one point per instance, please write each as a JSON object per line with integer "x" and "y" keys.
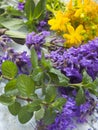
{"x": 20, "y": 6}
{"x": 71, "y": 115}
{"x": 22, "y": 60}
{"x": 73, "y": 74}
{"x": 37, "y": 40}
{"x": 73, "y": 60}
{"x": 42, "y": 25}
{"x": 4, "y": 42}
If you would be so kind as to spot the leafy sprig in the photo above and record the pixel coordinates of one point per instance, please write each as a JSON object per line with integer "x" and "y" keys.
{"x": 19, "y": 23}
{"x": 43, "y": 78}
{"x": 24, "y": 87}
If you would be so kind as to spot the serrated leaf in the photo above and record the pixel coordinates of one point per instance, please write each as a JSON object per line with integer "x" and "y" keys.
{"x": 7, "y": 100}
{"x": 9, "y": 69}
{"x": 34, "y": 58}
{"x": 24, "y": 116}
{"x": 34, "y": 106}
{"x": 25, "y": 85}
{"x": 63, "y": 80}
{"x": 90, "y": 86}
{"x": 39, "y": 114}
{"x": 37, "y": 74}
{"x": 80, "y": 97}
{"x": 29, "y": 9}
{"x": 58, "y": 104}
{"x": 49, "y": 116}
{"x": 46, "y": 78}
{"x": 10, "y": 88}
{"x": 45, "y": 63}
{"x": 86, "y": 78}
{"x": 50, "y": 94}
{"x": 54, "y": 78}
{"x": 96, "y": 82}
{"x": 14, "y": 108}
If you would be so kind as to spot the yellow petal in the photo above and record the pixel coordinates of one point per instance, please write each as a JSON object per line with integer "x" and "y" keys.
{"x": 86, "y": 2}
{"x": 79, "y": 2}
{"x": 70, "y": 5}
{"x": 70, "y": 29}
{"x": 67, "y": 36}
{"x": 78, "y": 13}
{"x": 51, "y": 21}
{"x": 79, "y": 29}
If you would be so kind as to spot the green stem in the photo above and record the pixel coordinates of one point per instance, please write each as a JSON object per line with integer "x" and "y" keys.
{"x": 76, "y": 85}
{"x": 23, "y": 98}
{"x": 5, "y": 77}
{"x": 30, "y": 100}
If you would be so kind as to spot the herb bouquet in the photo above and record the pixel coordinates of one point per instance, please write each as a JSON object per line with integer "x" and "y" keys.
{"x": 58, "y": 80}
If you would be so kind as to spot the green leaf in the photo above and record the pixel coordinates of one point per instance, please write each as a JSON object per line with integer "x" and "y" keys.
{"x": 46, "y": 63}
{"x": 54, "y": 78}
{"x": 34, "y": 58}
{"x": 58, "y": 104}
{"x": 46, "y": 78}
{"x": 80, "y": 97}
{"x": 37, "y": 74}
{"x": 90, "y": 86}
{"x": 16, "y": 34}
{"x": 12, "y": 11}
{"x": 9, "y": 69}
{"x": 34, "y": 106}
{"x": 23, "y": 115}
{"x": 49, "y": 116}
{"x": 7, "y": 100}
{"x": 29, "y": 9}
{"x": 39, "y": 114}
{"x": 96, "y": 82}
{"x": 10, "y": 88}
{"x": 86, "y": 78}
{"x": 12, "y": 23}
{"x": 1, "y": 11}
{"x": 25, "y": 85}
{"x": 14, "y": 108}
{"x": 39, "y": 9}
{"x": 63, "y": 80}
{"x": 50, "y": 94}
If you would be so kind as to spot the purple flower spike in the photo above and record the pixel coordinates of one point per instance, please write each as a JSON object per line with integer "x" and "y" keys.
{"x": 71, "y": 115}
{"x": 36, "y": 40}
{"x": 73, "y": 60}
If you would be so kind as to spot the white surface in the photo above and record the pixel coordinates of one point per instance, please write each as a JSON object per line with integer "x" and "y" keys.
{"x": 10, "y": 122}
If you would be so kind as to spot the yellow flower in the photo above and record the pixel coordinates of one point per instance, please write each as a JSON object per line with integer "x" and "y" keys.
{"x": 85, "y": 7}
{"x": 80, "y": 14}
{"x": 58, "y": 23}
{"x": 74, "y": 38}
{"x": 70, "y": 5}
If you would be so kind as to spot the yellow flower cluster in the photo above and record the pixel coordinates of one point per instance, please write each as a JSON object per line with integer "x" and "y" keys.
{"x": 78, "y": 23}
